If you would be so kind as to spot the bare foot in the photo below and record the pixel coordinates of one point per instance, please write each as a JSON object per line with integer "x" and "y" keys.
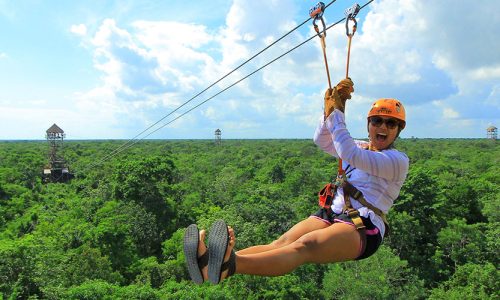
{"x": 202, "y": 248}
{"x": 230, "y": 246}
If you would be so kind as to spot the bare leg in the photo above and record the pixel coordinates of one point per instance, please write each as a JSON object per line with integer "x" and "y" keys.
{"x": 298, "y": 230}
{"x": 230, "y": 246}
{"x": 202, "y": 248}
{"x": 338, "y": 242}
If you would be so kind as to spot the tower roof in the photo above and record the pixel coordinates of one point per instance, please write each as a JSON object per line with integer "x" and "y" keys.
{"x": 491, "y": 128}
{"x": 55, "y": 129}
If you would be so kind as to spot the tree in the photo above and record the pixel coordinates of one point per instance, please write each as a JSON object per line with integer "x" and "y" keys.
{"x": 381, "y": 276}
{"x": 460, "y": 243}
{"x": 115, "y": 231}
{"x": 415, "y": 221}
{"x": 147, "y": 182}
{"x": 470, "y": 281}
{"x": 17, "y": 269}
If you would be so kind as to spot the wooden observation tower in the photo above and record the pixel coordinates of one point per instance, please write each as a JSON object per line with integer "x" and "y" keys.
{"x": 217, "y": 137}
{"x": 56, "y": 170}
{"x": 492, "y": 132}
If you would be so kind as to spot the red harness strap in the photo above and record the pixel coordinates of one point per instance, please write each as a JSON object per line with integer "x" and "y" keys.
{"x": 326, "y": 195}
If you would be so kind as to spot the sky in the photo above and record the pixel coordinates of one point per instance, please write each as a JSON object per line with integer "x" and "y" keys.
{"x": 112, "y": 69}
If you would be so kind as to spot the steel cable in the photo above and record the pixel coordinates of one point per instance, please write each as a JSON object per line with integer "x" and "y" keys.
{"x": 135, "y": 140}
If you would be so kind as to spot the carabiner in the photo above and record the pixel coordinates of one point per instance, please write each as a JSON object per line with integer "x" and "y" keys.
{"x": 316, "y": 28}
{"x": 316, "y": 13}
{"x": 350, "y": 14}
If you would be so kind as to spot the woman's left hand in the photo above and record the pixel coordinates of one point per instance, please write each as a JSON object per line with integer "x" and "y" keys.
{"x": 335, "y": 98}
{"x": 345, "y": 87}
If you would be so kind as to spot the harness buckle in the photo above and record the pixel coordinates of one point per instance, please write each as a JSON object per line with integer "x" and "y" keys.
{"x": 356, "y": 219}
{"x": 352, "y": 213}
{"x": 339, "y": 180}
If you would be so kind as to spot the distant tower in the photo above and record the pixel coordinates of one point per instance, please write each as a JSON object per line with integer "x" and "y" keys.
{"x": 492, "y": 132}
{"x": 217, "y": 137}
{"x": 56, "y": 170}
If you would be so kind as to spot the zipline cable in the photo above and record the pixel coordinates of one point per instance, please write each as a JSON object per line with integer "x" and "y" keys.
{"x": 213, "y": 84}
{"x": 225, "y": 89}
{"x": 135, "y": 140}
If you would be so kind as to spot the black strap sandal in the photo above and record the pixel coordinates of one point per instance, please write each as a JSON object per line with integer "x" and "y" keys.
{"x": 218, "y": 241}
{"x": 229, "y": 265}
{"x": 193, "y": 262}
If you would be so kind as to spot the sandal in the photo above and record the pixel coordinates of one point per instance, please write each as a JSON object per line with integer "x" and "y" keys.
{"x": 193, "y": 262}
{"x": 218, "y": 241}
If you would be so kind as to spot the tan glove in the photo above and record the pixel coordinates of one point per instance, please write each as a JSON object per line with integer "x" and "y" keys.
{"x": 335, "y": 98}
{"x": 345, "y": 87}
{"x": 331, "y": 99}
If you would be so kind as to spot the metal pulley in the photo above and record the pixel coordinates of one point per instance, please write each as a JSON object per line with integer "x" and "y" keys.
{"x": 316, "y": 13}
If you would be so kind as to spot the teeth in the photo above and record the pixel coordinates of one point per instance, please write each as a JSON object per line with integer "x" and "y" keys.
{"x": 382, "y": 134}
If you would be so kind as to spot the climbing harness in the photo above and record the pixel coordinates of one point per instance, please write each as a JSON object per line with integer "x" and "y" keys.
{"x": 316, "y": 13}
{"x": 328, "y": 192}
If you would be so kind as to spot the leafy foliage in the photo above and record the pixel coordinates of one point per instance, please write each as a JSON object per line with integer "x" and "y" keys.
{"x": 115, "y": 231}
{"x": 382, "y": 276}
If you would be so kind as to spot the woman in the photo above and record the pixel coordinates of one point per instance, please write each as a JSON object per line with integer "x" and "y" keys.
{"x": 350, "y": 227}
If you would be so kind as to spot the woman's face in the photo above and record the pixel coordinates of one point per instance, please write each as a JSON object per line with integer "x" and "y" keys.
{"x": 382, "y": 132}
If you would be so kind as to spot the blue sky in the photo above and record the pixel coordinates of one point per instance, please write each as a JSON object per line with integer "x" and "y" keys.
{"x": 110, "y": 69}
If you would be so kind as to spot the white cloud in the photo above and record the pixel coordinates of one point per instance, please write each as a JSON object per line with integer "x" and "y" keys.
{"x": 177, "y": 47}
{"x": 146, "y": 70}
{"x": 235, "y": 126}
{"x": 402, "y": 49}
{"x": 465, "y": 36}
{"x": 486, "y": 72}
{"x": 250, "y": 26}
{"x": 3, "y": 55}
{"x": 166, "y": 62}
{"x": 210, "y": 112}
{"x": 173, "y": 36}
{"x": 450, "y": 113}
{"x": 383, "y": 50}
{"x": 80, "y": 29}
{"x": 422, "y": 53}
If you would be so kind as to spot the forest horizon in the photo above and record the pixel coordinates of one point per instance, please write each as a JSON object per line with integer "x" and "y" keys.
{"x": 115, "y": 230}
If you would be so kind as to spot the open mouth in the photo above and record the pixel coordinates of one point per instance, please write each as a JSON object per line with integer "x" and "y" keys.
{"x": 381, "y": 137}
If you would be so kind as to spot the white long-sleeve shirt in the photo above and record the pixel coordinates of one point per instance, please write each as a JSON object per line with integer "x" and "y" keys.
{"x": 379, "y": 175}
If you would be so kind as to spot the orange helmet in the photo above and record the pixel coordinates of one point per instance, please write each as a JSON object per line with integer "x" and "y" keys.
{"x": 390, "y": 108}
